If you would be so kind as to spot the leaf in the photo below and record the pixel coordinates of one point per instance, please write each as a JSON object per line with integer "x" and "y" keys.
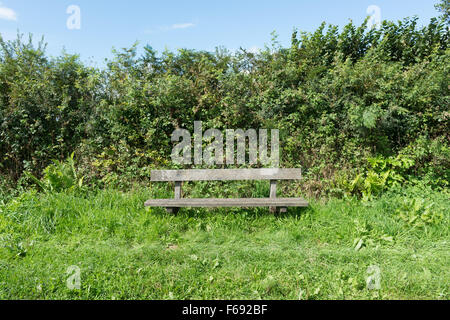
{"x": 36, "y": 180}
{"x": 80, "y": 182}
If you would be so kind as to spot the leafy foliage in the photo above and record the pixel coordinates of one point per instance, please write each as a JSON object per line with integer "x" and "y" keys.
{"x": 44, "y": 106}
{"x": 444, "y": 8}
{"x": 383, "y": 174}
{"x": 418, "y": 212}
{"x": 339, "y": 98}
{"x": 59, "y": 176}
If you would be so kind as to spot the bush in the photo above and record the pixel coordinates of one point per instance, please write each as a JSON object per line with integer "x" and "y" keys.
{"x": 59, "y": 176}
{"x": 339, "y": 98}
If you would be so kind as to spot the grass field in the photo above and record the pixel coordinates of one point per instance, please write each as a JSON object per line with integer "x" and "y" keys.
{"x": 124, "y": 251}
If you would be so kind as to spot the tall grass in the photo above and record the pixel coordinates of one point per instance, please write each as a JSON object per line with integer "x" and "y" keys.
{"x": 125, "y": 251}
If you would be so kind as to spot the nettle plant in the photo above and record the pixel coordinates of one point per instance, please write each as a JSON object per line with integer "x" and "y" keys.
{"x": 383, "y": 173}
{"x": 59, "y": 176}
{"x": 418, "y": 212}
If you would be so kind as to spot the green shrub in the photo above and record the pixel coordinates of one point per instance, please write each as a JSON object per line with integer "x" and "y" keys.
{"x": 383, "y": 173}
{"x": 59, "y": 176}
{"x": 418, "y": 212}
{"x": 338, "y": 98}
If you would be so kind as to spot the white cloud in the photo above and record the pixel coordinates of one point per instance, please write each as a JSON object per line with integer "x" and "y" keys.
{"x": 182, "y": 25}
{"x": 175, "y": 26}
{"x": 7, "y": 14}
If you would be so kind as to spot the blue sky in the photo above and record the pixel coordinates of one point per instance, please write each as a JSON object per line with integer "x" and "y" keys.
{"x": 201, "y": 25}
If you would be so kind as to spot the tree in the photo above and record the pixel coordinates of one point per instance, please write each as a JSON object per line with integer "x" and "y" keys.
{"x": 444, "y": 8}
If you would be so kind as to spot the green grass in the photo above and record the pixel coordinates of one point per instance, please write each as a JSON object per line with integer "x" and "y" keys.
{"x": 127, "y": 252}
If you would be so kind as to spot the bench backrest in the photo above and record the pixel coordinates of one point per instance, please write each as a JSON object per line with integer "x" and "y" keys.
{"x": 225, "y": 174}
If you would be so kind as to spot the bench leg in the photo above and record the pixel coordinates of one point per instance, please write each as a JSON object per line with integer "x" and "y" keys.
{"x": 273, "y": 194}
{"x": 178, "y": 190}
{"x": 178, "y": 195}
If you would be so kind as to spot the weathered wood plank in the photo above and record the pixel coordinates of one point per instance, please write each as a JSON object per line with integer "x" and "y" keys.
{"x": 235, "y": 202}
{"x": 226, "y": 174}
{"x": 178, "y": 195}
{"x": 273, "y": 194}
{"x": 273, "y": 188}
{"x": 178, "y": 191}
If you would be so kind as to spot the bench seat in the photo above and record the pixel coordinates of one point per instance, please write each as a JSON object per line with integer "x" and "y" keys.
{"x": 272, "y": 174}
{"x": 226, "y": 202}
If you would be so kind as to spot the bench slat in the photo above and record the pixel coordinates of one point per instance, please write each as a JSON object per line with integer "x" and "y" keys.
{"x": 226, "y": 174}
{"x": 214, "y": 203}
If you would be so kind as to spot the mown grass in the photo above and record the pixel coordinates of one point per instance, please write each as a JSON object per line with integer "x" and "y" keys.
{"x": 125, "y": 251}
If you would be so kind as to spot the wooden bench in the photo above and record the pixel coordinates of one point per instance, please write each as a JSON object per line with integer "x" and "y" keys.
{"x": 180, "y": 176}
